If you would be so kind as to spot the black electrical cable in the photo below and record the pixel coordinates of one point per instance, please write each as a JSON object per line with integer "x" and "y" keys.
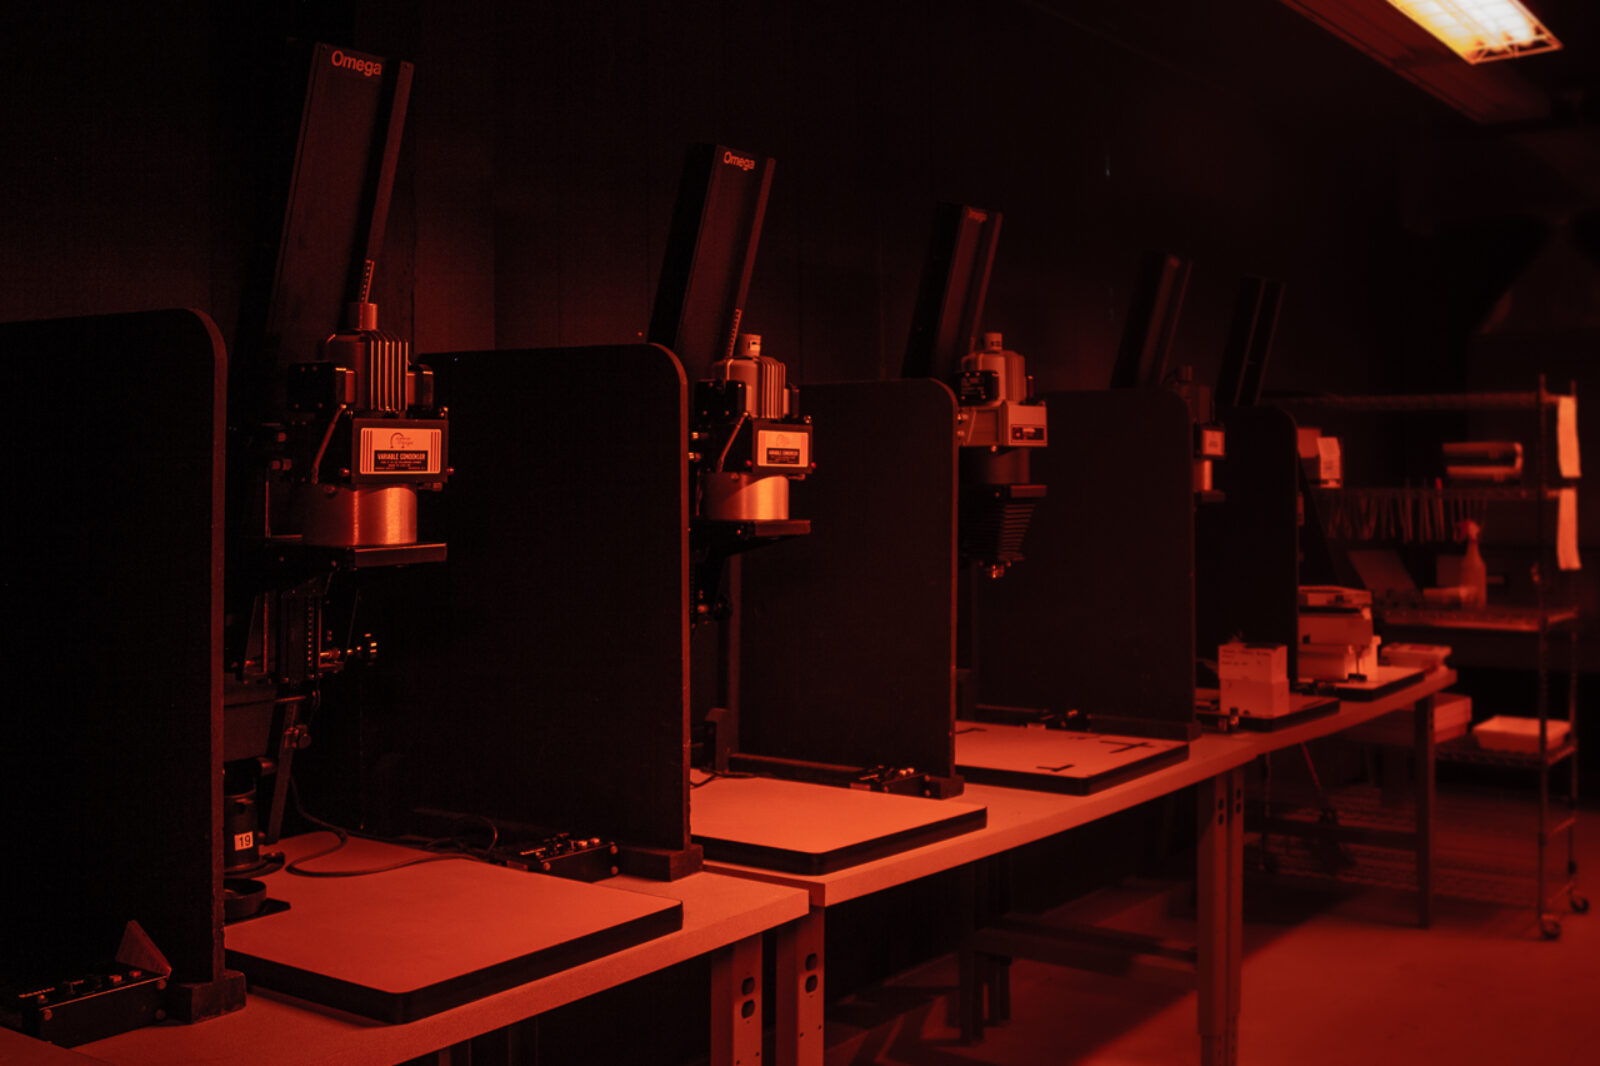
{"x": 343, "y": 835}
{"x": 712, "y": 775}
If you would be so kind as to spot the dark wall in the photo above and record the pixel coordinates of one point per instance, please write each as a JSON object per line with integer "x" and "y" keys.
{"x": 141, "y": 145}
{"x": 105, "y": 172}
{"x": 544, "y": 143}
{"x": 1096, "y": 148}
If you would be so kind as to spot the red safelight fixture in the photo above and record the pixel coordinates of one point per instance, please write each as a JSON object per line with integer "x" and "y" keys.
{"x": 1481, "y": 30}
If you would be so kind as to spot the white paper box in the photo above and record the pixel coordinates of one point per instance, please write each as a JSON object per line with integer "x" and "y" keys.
{"x": 1521, "y": 735}
{"x": 1240, "y": 661}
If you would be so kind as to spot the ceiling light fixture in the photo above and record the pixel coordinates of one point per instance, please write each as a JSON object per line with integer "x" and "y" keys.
{"x": 1481, "y": 30}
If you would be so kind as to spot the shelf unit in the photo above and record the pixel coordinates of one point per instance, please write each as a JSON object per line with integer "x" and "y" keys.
{"x": 1377, "y": 515}
{"x": 1482, "y": 849}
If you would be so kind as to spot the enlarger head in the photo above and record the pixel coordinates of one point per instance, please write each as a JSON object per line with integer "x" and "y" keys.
{"x": 337, "y": 432}
{"x": 1146, "y": 347}
{"x": 999, "y": 421}
{"x": 747, "y": 405}
{"x": 747, "y": 439}
{"x": 359, "y": 429}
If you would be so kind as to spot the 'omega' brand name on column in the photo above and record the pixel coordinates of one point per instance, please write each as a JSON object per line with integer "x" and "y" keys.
{"x": 365, "y": 67}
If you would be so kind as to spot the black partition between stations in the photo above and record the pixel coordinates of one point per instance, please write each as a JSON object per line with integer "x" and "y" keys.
{"x": 1247, "y": 547}
{"x": 111, "y": 767}
{"x": 547, "y": 683}
{"x": 848, "y": 634}
{"x": 1098, "y": 617}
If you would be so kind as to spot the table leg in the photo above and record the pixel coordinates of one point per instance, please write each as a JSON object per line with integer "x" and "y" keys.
{"x": 1235, "y": 909}
{"x": 736, "y": 1004}
{"x": 512, "y": 1045}
{"x": 997, "y": 901}
{"x": 1219, "y": 879}
{"x": 799, "y": 1004}
{"x": 969, "y": 996}
{"x": 970, "y": 984}
{"x": 983, "y": 995}
{"x": 1424, "y": 720}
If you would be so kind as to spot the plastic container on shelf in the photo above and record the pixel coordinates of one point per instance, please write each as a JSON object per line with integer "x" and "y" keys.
{"x": 1511, "y": 733}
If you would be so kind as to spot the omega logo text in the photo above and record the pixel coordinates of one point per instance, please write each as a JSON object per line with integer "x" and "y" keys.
{"x": 742, "y": 162}
{"x": 365, "y": 67}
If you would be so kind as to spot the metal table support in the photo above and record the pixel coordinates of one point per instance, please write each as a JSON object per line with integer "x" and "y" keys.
{"x": 736, "y": 1004}
{"x": 1220, "y": 879}
{"x": 1423, "y": 716}
{"x": 799, "y": 991}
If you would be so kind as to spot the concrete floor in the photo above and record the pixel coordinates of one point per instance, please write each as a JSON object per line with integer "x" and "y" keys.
{"x": 1330, "y": 977}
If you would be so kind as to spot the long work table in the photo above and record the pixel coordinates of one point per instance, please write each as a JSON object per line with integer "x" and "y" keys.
{"x": 1016, "y": 817}
{"x": 722, "y": 917}
{"x": 728, "y": 907}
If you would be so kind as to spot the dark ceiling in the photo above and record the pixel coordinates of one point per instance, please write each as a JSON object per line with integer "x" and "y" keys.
{"x": 1570, "y": 76}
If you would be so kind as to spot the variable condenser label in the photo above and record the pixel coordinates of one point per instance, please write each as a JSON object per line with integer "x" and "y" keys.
{"x": 399, "y": 462}
{"x": 400, "y": 451}
{"x": 780, "y": 448}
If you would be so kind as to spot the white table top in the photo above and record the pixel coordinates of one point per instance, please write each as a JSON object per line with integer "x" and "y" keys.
{"x": 717, "y": 911}
{"x": 1017, "y": 817}
{"x": 1060, "y": 754}
{"x": 811, "y": 820}
{"x": 19, "y": 1050}
{"x": 404, "y": 931}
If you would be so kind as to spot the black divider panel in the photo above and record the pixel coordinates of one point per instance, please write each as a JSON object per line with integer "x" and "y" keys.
{"x": 1099, "y": 616}
{"x": 554, "y": 693}
{"x": 111, "y": 767}
{"x": 848, "y": 632}
{"x": 1247, "y": 547}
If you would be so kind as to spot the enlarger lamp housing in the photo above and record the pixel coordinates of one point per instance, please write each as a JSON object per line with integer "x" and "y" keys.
{"x": 365, "y": 438}
{"x": 749, "y": 442}
{"x": 999, "y": 423}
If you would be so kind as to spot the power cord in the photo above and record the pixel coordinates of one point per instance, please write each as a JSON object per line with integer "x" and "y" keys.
{"x": 343, "y": 836}
{"x": 712, "y": 775}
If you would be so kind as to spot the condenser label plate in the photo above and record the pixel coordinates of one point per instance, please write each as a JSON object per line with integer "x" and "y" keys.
{"x": 780, "y": 448}
{"x": 401, "y": 451}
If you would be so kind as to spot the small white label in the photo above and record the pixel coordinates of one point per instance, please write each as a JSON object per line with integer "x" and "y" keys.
{"x": 1026, "y": 424}
{"x": 776, "y": 447}
{"x": 404, "y": 451}
{"x": 244, "y": 841}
